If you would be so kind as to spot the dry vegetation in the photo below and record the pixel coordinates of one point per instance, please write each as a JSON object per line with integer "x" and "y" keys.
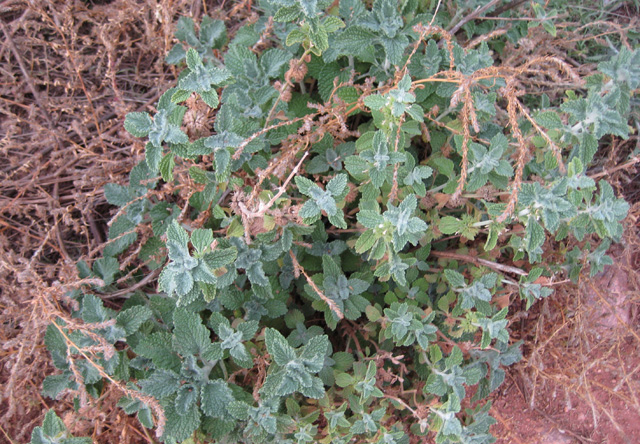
{"x": 71, "y": 70}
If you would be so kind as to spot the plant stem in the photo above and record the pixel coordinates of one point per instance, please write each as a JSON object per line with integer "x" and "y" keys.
{"x": 478, "y": 261}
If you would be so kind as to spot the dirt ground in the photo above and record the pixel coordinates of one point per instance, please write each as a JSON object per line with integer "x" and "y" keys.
{"x": 71, "y": 70}
{"x": 580, "y": 381}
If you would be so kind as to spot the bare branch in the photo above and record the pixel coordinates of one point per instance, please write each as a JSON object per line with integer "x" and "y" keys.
{"x": 332, "y": 305}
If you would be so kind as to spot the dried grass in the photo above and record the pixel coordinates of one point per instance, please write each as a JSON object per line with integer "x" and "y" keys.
{"x": 69, "y": 73}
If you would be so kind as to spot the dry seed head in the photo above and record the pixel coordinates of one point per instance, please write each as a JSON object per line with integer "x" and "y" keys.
{"x": 285, "y": 91}
{"x": 436, "y": 231}
{"x": 428, "y": 202}
{"x": 195, "y": 124}
{"x": 297, "y": 71}
{"x": 352, "y": 194}
{"x": 425, "y": 134}
{"x": 456, "y": 202}
{"x": 446, "y": 150}
{"x": 487, "y": 193}
{"x": 196, "y": 119}
{"x": 527, "y": 44}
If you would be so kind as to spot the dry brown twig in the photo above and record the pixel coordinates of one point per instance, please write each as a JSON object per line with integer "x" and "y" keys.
{"x": 472, "y": 16}
{"x": 479, "y": 261}
{"x": 298, "y": 269}
{"x": 394, "y": 182}
{"x": 513, "y": 76}
{"x": 249, "y": 212}
{"x": 85, "y": 352}
{"x": 523, "y": 150}
{"x": 52, "y": 173}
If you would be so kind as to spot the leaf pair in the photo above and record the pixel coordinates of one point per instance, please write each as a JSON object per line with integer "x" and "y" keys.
{"x": 323, "y": 200}
{"x": 184, "y": 269}
{"x": 293, "y": 370}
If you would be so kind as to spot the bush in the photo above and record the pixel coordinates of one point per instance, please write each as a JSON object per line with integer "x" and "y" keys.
{"x": 326, "y": 254}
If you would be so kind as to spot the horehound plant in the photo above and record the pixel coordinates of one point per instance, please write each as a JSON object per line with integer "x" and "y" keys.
{"x": 321, "y": 242}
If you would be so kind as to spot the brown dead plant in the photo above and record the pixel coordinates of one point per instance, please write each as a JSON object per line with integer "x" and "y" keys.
{"x": 69, "y": 72}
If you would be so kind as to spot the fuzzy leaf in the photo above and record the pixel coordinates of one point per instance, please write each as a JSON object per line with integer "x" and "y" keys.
{"x": 375, "y": 101}
{"x": 454, "y": 278}
{"x": 337, "y": 185}
{"x": 220, "y": 257}
{"x": 278, "y": 347}
{"x": 132, "y": 318}
{"x": 201, "y": 239}
{"x": 215, "y": 397}
{"x": 138, "y": 124}
{"x": 161, "y": 383}
{"x": 180, "y": 427}
{"x": 189, "y": 335}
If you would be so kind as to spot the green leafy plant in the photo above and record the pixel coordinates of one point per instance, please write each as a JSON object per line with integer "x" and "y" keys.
{"x": 320, "y": 266}
{"x": 53, "y": 431}
{"x": 212, "y": 35}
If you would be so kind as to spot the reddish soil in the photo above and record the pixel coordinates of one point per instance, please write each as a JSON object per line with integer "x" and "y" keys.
{"x": 601, "y": 415}
{"x": 580, "y": 381}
